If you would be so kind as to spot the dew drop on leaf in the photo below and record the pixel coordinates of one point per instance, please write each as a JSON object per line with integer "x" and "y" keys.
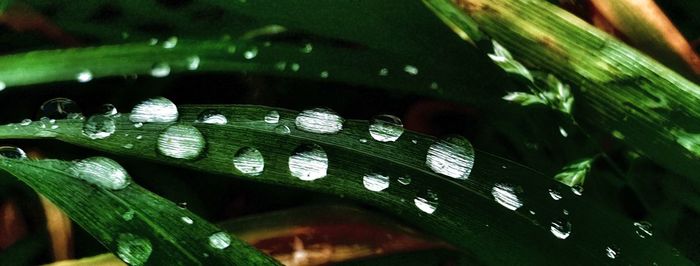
{"x": 128, "y": 215}
{"x": 308, "y": 47}
{"x": 160, "y": 70}
{"x": 102, "y": 172}
{"x": 319, "y": 120}
{"x": 272, "y": 117}
{"x": 249, "y": 161}
{"x": 212, "y": 117}
{"x": 181, "y": 142}
{"x": 505, "y": 195}
{"x": 375, "y": 182}
{"x": 133, "y": 249}
{"x": 384, "y": 72}
{"x": 193, "y": 62}
{"x": 157, "y": 110}
{"x": 25, "y": 122}
{"x": 59, "y": 108}
{"x": 99, "y": 127}
{"x": 250, "y": 53}
{"x": 555, "y": 194}
{"x": 386, "y": 128}
{"x": 12, "y": 152}
{"x": 405, "y": 180}
{"x": 643, "y": 229}
{"x": 308, "y": 162}
{"x": 560, "y": 229}
{"x": 170, "y": 43}
{"x": 412, "y": 70}
{"x": 282, "y": 130}
{"x": 220, "y": 240}
{"x": 3, "y": 86}
{"x": 186, "y": 220}
{"x": 451, "y": 156}
{"x": 427, "y": 201}
{"x": 84, "y": 76}
{"x": 612, "y": 252}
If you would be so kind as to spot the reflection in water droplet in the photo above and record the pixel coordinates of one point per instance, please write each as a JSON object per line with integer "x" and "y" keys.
{"x": 555, "y": 194}
{"x": 319, "y": 120}
{"x": 560, "y": 229}
{"x": 249, "y": 161}
{"x": 181, "y": 142}
{"x": 612, "y": 252}
{"x": 375, "y": 182}
{"x": 160, "y": 70}
{"x": 212, "y": 117}
{"x": 386, "y": 128}
{"x": 563, "y": 132}
{"x": 84, "y": 76}
{"x": 251, "y": 53}
{"x": 133, "y": 249}
{"x": 102, "y": 172}
{"x": 451, "y": 156}
{"x": 405, "y": 180}
{"x": 99, "y": 127}
{"x": 505, "y": 195}
{"x": 108, "y": 110}
{"x": 193, "y": 62}
{"x": 410, "y": 69}
{"x": 59, "y": 108}
{"x": 186, "y": 220}
{"x": 219, "y": 240}
{"x": 308, "y": 162}
{"x": 643, "y": 229}
{"x": 426, "y": 202}
{"x": 11, "y": 152}
{"x": 157, "y": 110}
{"x": 272, "y": 117}
{"x": 282, "y": 130}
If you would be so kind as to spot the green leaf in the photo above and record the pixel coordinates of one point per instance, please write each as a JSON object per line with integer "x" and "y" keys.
{"x": 473, "y": 214}
{"x": 132, "y": 222}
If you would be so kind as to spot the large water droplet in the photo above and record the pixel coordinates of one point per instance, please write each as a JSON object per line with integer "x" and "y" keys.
{"x": 560, "y": 229}
{"x": 251, "y": 53}
{"x": 158, "y": 110}
{"x": 99, "y": 127}
{"x": 612, "y": 252}
{"x": 319, "y": 120}
{"x": 386, "y": 128}
{"x": 426, "y": 202}
{"x": 160, "y": 70}
{"x": 505, "y": 195}
{"x": 84, "y": 76}
{"x": 272, "y": 117}
{"x": 308, "y": 162}
{"x": 643, "y": 229}
{"x": 59, "y": 108}
{"x": 11, "y": 152}
{"x": 282, "y": 130}
{"x": 249, "y": 161}
{"x": 212, "y": 117}
{"x": 375, "y": 182}
{"x": 181, "y": 142}
{"x": 133, "y": 249}
{"x": 220, "y": 240}
{"x": 452, "y": 156}
{"x": 102, "y": 172}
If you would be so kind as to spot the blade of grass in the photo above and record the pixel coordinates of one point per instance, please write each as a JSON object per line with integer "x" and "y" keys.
{"x": 467, "y": 216}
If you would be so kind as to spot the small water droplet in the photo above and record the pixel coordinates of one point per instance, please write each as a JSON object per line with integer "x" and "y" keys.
{"x": 412, "y": 70}
{"x": 555, "y": 194}
{"x": 220, "y": 240}
{"x": 186, "y": 220}
{"x": 84, "y": 76}
{"x": 138, "y": 125}
{"x": 384, "y": 72}
{"x": 282, "y": 130}
{"x": 505, "y": 195}
{"x": 249, "y": 161}
{"x": 308, "y": 47}
{"x": 3, "y": 86}
{"x": 25, "y": 122}
{"x": 405, "y": 180}
{"x": 281, "y": 66}
{"x": 563, "y": 132}
{"x": 375, "y": 182}
{"x": 193, "y": 62}
{"x": 308, "y": 162}
{"x": 414, "y": 141}
{"x": 182, "y": 205}
{"x": 133, "y": 249}
{"x": 612, "y": 252}
{"x": 59, "y": 108}
{"x": 160, "y": 70}
{"x": 295, "y": 67}
{"x": 319, "y": 120}
{"x": 158, "y": 110}
{"x": 643, "y": 229}
{"x": 108, "y": 110}
{"x": 212, "y": 117}
{"x": 577, "y": 190}
{"x": 11, "y": 152}
{"x": 565, "y": 211}
{"x": 170, "y": 43}
{"x": 152, "y": 41}
{"x": 560, "y": 229}
{"x": 426, "y": 202}
{"x": 324, "y": 74}
{"x": 231, "y": 49}
{"x": 272, "y": 117}
{"x": 128, "y": 146}
{"x": 128, "y": 215}
{"x": 386, "y": 128}
{"x": 251, "y": 53}
{"x": 434, "y": 86}
{"x": 99, "y": 127}
{"x": 102, "y": 172}
{"x": 618, "y": 134}
{"x": 451, "y": 156}
{"x": 363, "y": 140}
{"x": 181, "y": 142}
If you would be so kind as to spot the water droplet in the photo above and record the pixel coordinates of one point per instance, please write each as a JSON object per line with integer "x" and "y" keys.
{"x": 186, "y": 220}
{"x": 11, "y": 152}
{"x": 160, "y": 70}
{"x": 375, "y": 182}
{"x": 308, "y": 162}
{"x": 505, "y": 195}
{"x": 451, "y": 156}
{"x": 426, "y": 202}
{"x": 84, "y": 76}
{"x": 99, "y": 127}
{"x": 618, "y": 134}
{"x": 3, "y": 86}
{"x": 128, "y": 146}
{"x": 324, "y": 74}
{"x": 25, "y": 122}
{"x": 560, "y": 229}
{"x": 555, "y": 194}
{"x": 563, "y": 132}
{"x": 434, "y": 86}
{"x": 133, "y": 249}
{"x": 386, "y": 128}
{"x": 414, "y": 141}
{"x": 272, "y": 117}
{"x": 308, "y": 47}
{"x": 193, "y": 62}
{"x": 152, "y": 41}
{"x": 102, "y": 172}
{"x": 170, "y": 43}
{"x": 643, "y": 229}
{"x": 565, "y": 211}
{"x": 295, "y": 67}
{"x": 282, "y": 130}
{"x": 219, "y": 240}
{"x": 384, "y": 72}
{"x": 577, "y": 190}
{"x": 158, "y": 110}
{"x": 251, "y": 53}
{"x": 182, "y": 205}
{"x": 363, "y": 140}
{"x": 139, "y": 137}
{"x": 405, "y": 180}
{"x": 412, "y": 70}
{"x": 249, "y": 161}
{"x": 319, "y": 120}
{"x": 211, "y": 117}
{"x": 128, "y": 215}
{"x": 181, "y": 142}
{"x": 231, "y": 49}
{"x": 59, "y": 108}
{"x": 108, "y": 110}
{"x": 612, "y": 252}
{"x": 281, "y": 66}
{"x": 138, "y": 125}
